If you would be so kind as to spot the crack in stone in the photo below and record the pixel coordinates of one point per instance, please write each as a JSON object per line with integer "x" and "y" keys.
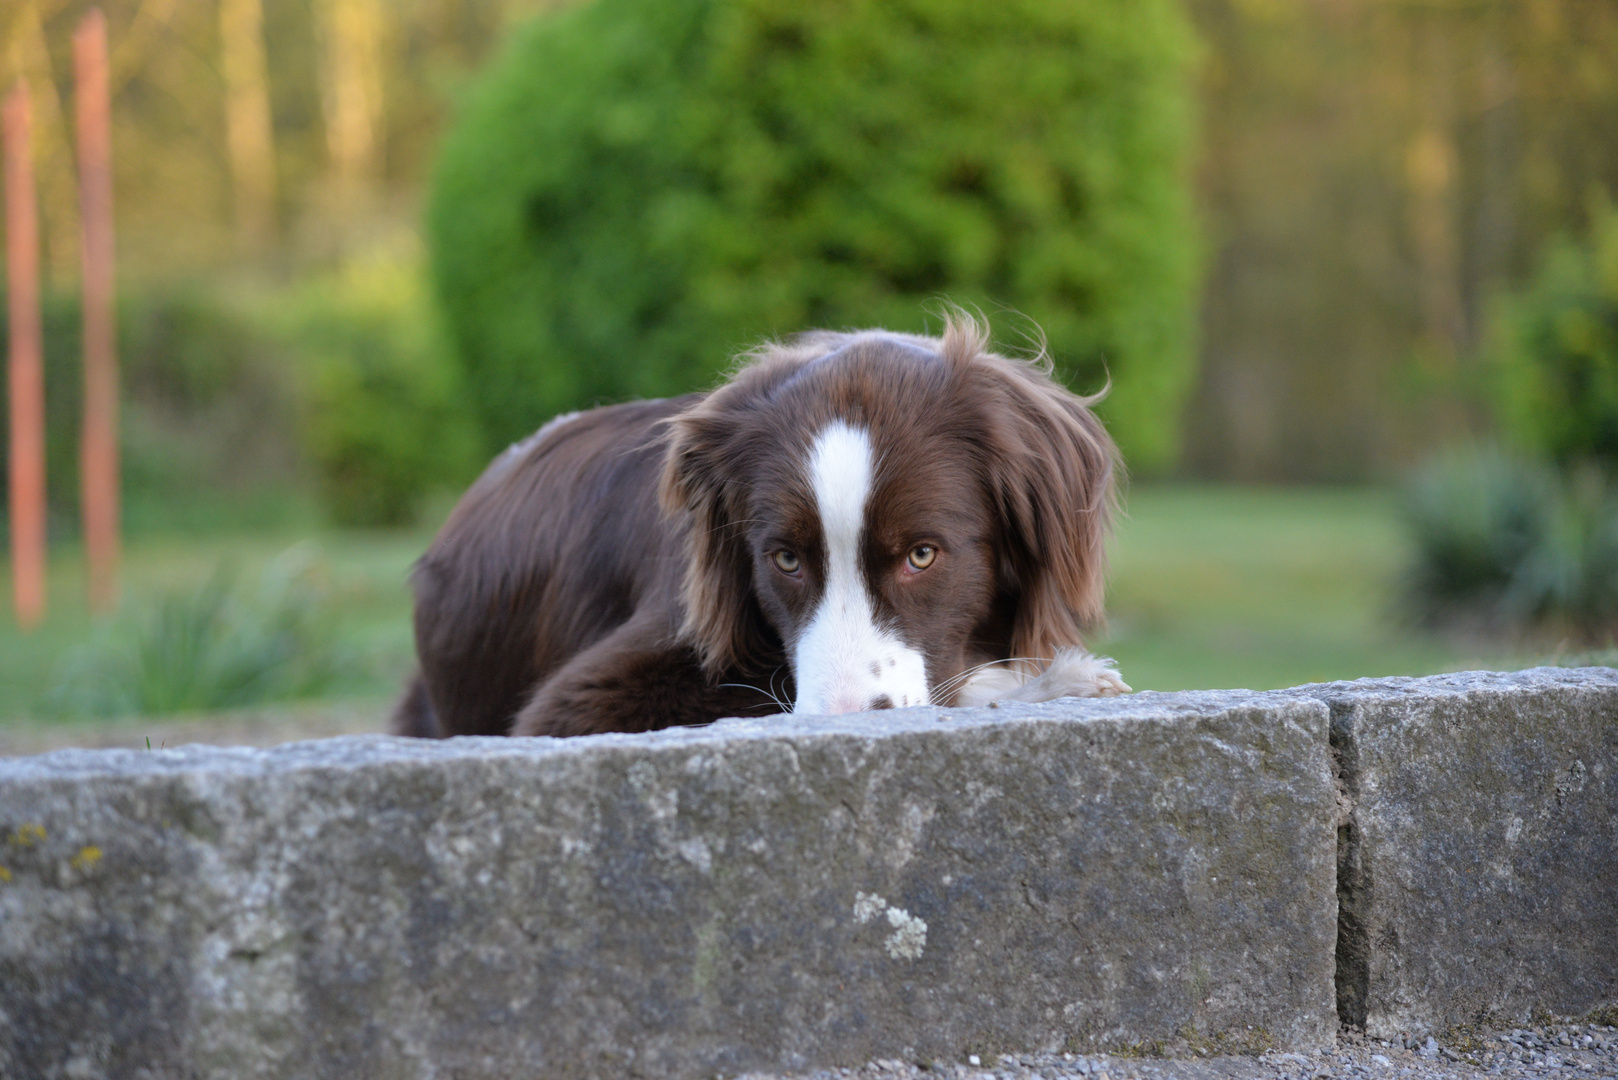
{"x": 1353, "y": 949}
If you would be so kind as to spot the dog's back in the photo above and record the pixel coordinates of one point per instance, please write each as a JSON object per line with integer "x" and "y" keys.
{"x": 552, "y": 548}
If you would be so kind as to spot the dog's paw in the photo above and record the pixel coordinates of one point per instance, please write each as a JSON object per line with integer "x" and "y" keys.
{"x": 1110, "y": 684}
{"x": 1073, "y": 673}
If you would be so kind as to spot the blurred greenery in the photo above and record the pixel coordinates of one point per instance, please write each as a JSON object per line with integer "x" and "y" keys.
{"x": 248, "y": 406}
{"x": 208, "y": 418}
{"x": 1527, "y": 540}
{"x": 384, "y": 417}
{"x": 638, "y": 188}
{"x": 1508, "y": 545}
{"x": 215, "y": 646}
{"x": 1212, "y": 587}
{"x": 1373, "y": 173}
{"x": 338, "y": 171}
{"x": 1219, "y": 586}
{"x": 1475, "y": 515}
{"x": 1402, "y": 214}
{"x": 1557, "y": 349}
{"x": 357, "y": 598}
{"x": 1367, "y": 175}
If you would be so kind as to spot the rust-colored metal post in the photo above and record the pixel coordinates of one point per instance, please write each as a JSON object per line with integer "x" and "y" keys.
{"x": 98, "y": 459}
{"x": 26, "y": 370}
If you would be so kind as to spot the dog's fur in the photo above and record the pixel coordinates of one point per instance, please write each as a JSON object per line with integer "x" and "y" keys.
{"x": 853, "y": 520}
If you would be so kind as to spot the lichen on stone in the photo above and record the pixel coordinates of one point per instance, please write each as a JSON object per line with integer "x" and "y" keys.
{"x": 909, "y": 936}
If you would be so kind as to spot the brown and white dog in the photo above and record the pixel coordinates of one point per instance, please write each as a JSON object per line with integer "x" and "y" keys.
{"x": 852, "y": 521}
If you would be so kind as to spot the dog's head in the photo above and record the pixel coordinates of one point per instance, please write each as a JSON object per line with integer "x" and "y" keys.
{"x": 894, "y": 510}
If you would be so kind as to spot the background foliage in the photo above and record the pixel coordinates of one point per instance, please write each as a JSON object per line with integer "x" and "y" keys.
{"x": 1508, "y": 546}
{"x": 208, "y": 416}
{"x": 639, "y": 188}
{"x": 1373, "y": 174}
{"x": 1557, "y": 349}
{"x": 384, "y": 420}
{"x": 238, "y": 406}
{"x": 217, "y": 645}
{"x": 1369, "y": 176}
{"x": 1405, "y": 246}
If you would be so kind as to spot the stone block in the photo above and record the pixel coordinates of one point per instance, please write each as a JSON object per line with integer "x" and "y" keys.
{"x": 795, "y": 893}
{"x": 1479, "y": 864}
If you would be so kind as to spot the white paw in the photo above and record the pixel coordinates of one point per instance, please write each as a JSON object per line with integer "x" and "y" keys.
{"x": 1073, "y": 673}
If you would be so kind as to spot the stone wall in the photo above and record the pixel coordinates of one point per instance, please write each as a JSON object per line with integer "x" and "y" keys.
{"x": 1154, "y": 871}
{"x": 1478, "y": 865}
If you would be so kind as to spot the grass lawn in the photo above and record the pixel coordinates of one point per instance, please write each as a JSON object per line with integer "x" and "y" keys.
{"x": 369, "y": 603}
{"x": 1222, "y": 587}
{"x": 1211, "y": 587}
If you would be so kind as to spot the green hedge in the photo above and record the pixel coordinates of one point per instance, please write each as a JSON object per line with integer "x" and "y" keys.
{"x": 236, "y": 407}
{"x": 1556, "y": 350}
{"x": 383, "y": 414}
{"x": 637, "y": 188}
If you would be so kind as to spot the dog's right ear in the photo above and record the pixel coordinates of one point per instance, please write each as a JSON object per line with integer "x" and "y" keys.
{"x": 722, "y": 620}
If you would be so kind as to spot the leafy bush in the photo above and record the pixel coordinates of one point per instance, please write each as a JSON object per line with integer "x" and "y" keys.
{"x": 1507, "y": 544}
{"x": 1475, "y": 516}
{"x": 214, "y": 647}
{"x": 233, "y": 401}
{"x": 1570, "y": 578}
{"x": 383, "y": 416}
{"x": 639, "y": 187}
{"x": 1557, "y": 350}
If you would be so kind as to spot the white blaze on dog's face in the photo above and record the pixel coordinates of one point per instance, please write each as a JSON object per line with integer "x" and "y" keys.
{"x": 842, "y": 660}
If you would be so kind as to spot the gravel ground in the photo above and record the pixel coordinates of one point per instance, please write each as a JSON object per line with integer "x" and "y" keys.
{"x": 1560, "y": 1051}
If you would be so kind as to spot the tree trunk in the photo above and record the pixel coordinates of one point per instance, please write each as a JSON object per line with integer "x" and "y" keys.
{"x": 351, "y": 95}
{"x": 248, "y": 130}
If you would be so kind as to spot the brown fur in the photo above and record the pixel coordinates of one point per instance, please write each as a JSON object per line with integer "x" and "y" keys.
{"x": 613, "y": 573}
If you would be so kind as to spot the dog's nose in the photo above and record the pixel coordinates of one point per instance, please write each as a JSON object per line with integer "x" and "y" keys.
{"x": 847, "y": 703}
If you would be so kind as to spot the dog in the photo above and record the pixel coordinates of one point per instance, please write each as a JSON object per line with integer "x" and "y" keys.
{"x": 851, "y": 521}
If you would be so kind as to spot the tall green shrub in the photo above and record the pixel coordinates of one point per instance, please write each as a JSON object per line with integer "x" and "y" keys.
{"x": 637, "y": 188}
{"x": 1557, "y": 350}
{"x": 384, "y": 417}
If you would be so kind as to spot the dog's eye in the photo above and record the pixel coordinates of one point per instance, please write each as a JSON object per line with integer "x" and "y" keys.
{"x": 922, "y": 556}
{"x": 786, "y": 562}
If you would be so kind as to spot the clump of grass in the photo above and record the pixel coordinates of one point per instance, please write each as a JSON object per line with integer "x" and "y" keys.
{"x": 1508, "y": 545}
{"x": 1602, "y": 657}
{"x": 217, "y": 646}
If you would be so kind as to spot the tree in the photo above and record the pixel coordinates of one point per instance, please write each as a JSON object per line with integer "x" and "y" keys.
{"x": 638, "y": 188}
{"x": 1557, "y": 353}
{"x": 248, "y": 132}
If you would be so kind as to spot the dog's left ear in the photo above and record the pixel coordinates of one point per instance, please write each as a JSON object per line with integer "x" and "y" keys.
{"x": 722, "y": 621}
{"x": 1053, "y": 471}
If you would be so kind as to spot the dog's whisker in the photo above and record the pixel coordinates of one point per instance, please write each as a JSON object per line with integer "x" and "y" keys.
{"x": 954, "y": 682}
{"x": 960, "y": 677}
{"x": 767, "y": 693}
{"x": 750, "y": 686}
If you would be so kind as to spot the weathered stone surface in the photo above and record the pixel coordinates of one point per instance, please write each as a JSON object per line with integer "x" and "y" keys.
{"x": 1479, "y": 867}
{"x": 786, "y": 894}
